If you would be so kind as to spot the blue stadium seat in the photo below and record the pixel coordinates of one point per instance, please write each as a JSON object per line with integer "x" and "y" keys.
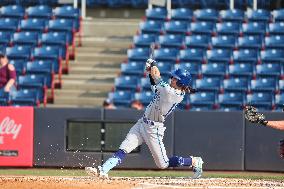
{"x": 126, "y": 83}
{"x": 121, "y": 98}
{"x": 166, "y": 54}
{"x": 4, "y": 98}
{"x": 254, "y": 28}
{"x": 281, "y": 86}
{"x": 250, "y": 42}
{"x": 58, "y": 40}
{"x": 213, "y": 69}
{"x": 9, "y": 24}
{"x": 201, "y": 107}
{"x": 264, "y": 84}
{"x": 193, "y": 67}
{"x": 278, "y": 15}
{"x": 258, "y": 15}
{"x": 246, "y": 70}
{"x": 274, "y": 41}
{"x": 261, "y": 100}
{"x": 25, "y": 97}
{"x": 219, "y": 55}
{"x": 19, "y": 52}
{"x": 68, "y": 12}
{"x": 20, "y": 66}
{"x": 182, "y": 14}
{"x": 276, "y": 28}
{"x": 184, "y": 105}
{"x": 279, "y": 101}
{"x": 156, "y": 13}
{"x": 42, "y": 67}
{"x": 55, "y": 38}
{"x": 26, "y": 38}
{"x": 138, "y": 54}
{"x": 232, "y": 99}
{"x": 33, "y": 24}
{"x": 5, "y": 38}
{"x": 145, "y": 97}
{"x": 202, "y": 27}
{"x": 206, "y": 15}
{"x": 203, "y": 100}
{"x": 197, "y": 41}
{"x": 224, "y": 42}
{"x": 246, "y": 55}
{"x": 171, "y": 41}
{"x": 165, "y": 69}
{"x": 176, "y": 27}
{"x": 52, "y": 54}
{"x": 151, "y": 27}
{"x": 272, "y": 55}
{"x": 269, "y": 69}
{"x": 145, "y": 84}
{"x": 38, "y": 2}
{"x": 237, "y": 84}
{"x": 12, "y": 11}
{"x": 232, "y": 15}
{"x": 118, "y": 3}
{"x": 228, "y": 28}
{"x": 37, "y": 82}
{"x": 139, "y": 3}
{"x": 208, "y": 84}
{"x": 144, "y": 40}
{"x": 63, "y": 25}
{"x": 39, "y": 11}
{"x": 192, "y": 55}
{"x": 133, "y": 68}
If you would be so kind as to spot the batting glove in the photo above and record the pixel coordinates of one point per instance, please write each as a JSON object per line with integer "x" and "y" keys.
{"x": 150, "y": 63}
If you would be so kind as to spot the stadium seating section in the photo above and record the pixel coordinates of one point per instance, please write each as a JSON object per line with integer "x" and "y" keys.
{"x": 39, "y": 40}
{"x": 236, "y": 57}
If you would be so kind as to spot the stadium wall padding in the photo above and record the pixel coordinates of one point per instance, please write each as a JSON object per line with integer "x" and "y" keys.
{"x": 50, "y": 143}
{"x": 262, "y": 146}
{"x": 224, "y": 139}
{"x": 218, "y": 137}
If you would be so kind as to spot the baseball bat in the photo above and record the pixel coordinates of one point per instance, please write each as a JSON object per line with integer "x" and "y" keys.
{"x": 152, "y": 49}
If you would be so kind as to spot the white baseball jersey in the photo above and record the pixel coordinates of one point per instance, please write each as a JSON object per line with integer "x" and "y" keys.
{"x": 150, "y": 129}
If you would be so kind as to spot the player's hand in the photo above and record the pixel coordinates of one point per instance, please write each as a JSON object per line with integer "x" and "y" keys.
{"x": 150, "y": 63}
{"x": 155, "y": 73}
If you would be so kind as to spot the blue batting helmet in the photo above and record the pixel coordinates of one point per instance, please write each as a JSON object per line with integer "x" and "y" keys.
{"x": 183, "y": 77}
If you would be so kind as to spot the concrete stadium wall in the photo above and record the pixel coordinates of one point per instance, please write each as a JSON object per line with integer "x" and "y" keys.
{"x": 224, "y": 139}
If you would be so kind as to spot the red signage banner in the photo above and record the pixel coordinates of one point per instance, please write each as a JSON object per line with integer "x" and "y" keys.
{"x": 16, "y": 136}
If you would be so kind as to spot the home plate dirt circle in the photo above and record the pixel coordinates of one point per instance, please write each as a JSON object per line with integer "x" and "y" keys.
{"x": 49, "y": 182}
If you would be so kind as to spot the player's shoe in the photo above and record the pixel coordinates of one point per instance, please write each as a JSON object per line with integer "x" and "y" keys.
{"x": 102, "y": 174}
{"x": 96, "y": 172}
{"x": 197, "y": 167}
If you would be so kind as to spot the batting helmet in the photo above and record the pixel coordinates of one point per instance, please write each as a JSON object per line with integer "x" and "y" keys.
{"x": 183, "y": 77}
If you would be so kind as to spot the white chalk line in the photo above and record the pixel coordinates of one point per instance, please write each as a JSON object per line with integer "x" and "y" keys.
{"x": 150, "y": 186}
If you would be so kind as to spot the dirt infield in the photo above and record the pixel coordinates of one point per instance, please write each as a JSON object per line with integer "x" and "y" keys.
{"x": 40, "y": 182}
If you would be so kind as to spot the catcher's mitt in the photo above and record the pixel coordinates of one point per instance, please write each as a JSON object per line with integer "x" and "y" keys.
{"x": 281, "y": 149}
{"x": 253, "y": 116}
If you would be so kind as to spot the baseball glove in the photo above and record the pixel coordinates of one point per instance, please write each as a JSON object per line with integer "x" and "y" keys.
{"x": 253, "y": 116}
{"x": 281, "y": 149}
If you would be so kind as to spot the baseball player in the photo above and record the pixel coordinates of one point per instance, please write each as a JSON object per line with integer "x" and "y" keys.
{"x": 150, "y": 128}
